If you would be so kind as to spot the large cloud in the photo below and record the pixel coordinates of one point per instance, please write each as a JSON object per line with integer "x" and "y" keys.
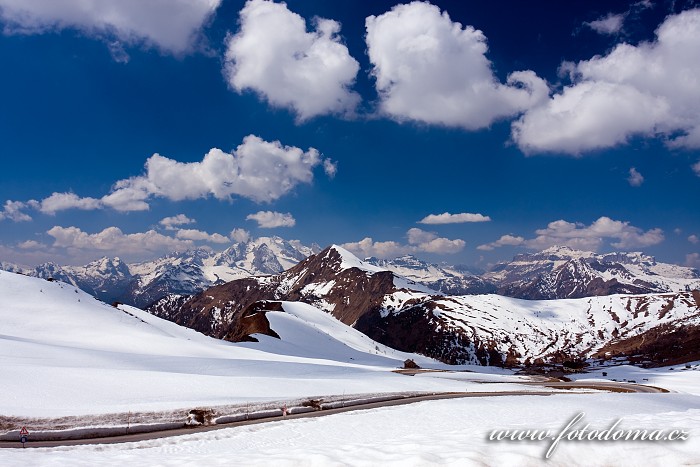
{"x": 259, "y": 170}
{"x": 646, "y": 90}
{"x": 419, "y": 241}
{"x": 272, "y": 219}
{"x": 274, "y": 55}
{"x": 432, "y": 70}
{"x": 591, "y": 237}
{"x": 116, "y": 242}
{"x": 170, "y": 25}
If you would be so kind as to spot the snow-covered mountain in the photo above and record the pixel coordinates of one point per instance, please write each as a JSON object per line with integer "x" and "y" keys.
{"x": 561, "y": 272}
{"x": 557, "y": 272}
{"x": 443, "y": 278}
{"x": 481, "y": 329}
{"x": 189, "y": 272}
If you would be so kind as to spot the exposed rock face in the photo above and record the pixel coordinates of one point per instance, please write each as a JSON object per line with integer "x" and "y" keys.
{"x": 320, "y": 280}
{"x": 480, "y": 329}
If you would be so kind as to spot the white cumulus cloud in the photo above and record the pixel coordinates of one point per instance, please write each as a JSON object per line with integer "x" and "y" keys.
{"x": 257, "y": 170}
{"x": 171, "y": 222}
{"x": 274, "y": 55}
{"x": 368, "y": 247}
{"x": 505, "y": 240}
{"x": 648, "y": 90}
{"x": 447, "y": 218}
{"x": 609, "y": 24}
{"x": 172, "y": 26}
{"x": 272, "y": 219}
{"x": 419, "y": 241}
{"x": 433, "y": 70}
{"x": 12, "y": 210}
{"x": 116, "y": 242}
{"x": 200, "y": 235}
{"x": 62, "y": 201}
{"x": 579, "y": 236}
{"x": 693, "y": 239}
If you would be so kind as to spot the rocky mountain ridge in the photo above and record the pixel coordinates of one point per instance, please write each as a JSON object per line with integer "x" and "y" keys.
{"x": 557, "y": 272}
{"x": 477, "y": 329}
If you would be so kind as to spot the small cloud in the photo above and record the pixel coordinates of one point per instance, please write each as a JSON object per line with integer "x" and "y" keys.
{"x": 696, "y": 168}
{"x": 31, "y": 245}
{"x": 272, "y": 219}
{"x": 195, "y": 235}
{"x": 635, "y": 178}
{"x": 119, "y": 55}
{"x": 368, "y": 247}
{"x": 12, "y": 210}
{"x": 62, "y": 201}
{"x": 610, "y": 24}
{"x": 694, "y": 239}
{"x": 505, "y": 240}
{"x": 419, "y": 241}
{"x": 169, "y": 223}
{"x": 240, "y": 235}
{"x": 330, "y": 167}
{"x": 447, "y": 218}
{"x": 677, "y": 231}
{"x": 692, "y": 260}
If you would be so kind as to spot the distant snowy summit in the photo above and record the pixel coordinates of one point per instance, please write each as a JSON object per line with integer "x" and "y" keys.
{"x": 184, "y": 273}
{"x": 557, "y": 272}
{"x": 562, "y": 272}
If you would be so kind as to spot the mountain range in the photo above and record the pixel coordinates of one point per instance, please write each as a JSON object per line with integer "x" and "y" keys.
{"x": 189, "y": 272}
{"x": 484, "y": 329}
{"x": 557, "y": 272}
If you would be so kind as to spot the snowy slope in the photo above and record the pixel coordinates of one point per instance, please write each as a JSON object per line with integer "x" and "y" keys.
{"x": 63, "y": 352}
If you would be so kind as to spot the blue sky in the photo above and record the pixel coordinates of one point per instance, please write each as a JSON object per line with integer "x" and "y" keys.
{"x": 348, "y": 122}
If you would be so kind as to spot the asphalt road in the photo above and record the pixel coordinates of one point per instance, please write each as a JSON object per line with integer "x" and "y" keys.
{"x": 129, "y": 438}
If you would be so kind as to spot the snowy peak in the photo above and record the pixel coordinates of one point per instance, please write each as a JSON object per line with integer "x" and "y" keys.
{"x": 562, "y": 272}
{"x": 348, "y": 260}
{"x": 442, "y": 279}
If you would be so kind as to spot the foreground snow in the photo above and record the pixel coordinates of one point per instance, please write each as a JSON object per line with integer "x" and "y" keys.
{"x": 63, "y": 353}
{"x": 450, "y": 432}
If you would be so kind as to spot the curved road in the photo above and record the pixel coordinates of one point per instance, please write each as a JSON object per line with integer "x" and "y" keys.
{"x": 553, "y": 384}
